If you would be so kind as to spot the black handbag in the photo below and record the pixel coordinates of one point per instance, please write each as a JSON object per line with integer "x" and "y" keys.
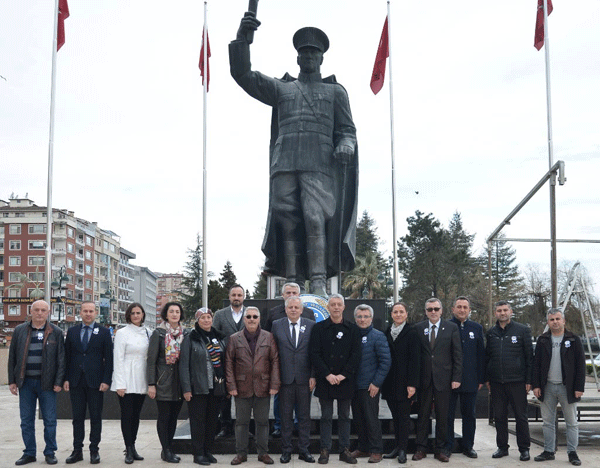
{"x": 219, "y": 389}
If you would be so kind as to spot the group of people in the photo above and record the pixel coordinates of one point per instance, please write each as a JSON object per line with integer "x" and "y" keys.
{"x": 432, "y": 363}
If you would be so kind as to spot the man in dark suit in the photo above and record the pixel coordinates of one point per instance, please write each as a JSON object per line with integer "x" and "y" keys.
{"x": 441, "y": 372}
{"x": 229, "y": 321}
{"x": 473, "y": 376}
{"x": 89, "y": 367}
{"x": 288, "y": 290}
{"x": 292, "y": 335}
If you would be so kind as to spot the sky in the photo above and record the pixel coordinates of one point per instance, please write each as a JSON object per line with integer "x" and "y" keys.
{"x": 469, "y": 106}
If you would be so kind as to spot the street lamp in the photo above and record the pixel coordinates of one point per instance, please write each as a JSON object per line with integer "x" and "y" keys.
{"x": 58, "y": 284}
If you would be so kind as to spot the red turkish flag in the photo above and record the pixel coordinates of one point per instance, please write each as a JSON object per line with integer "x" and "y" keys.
{"x": 201, "y": 64}
{"x": 538, "y": 41}
{"x": 63, "y": 14}
{"x": 383, "y": 52}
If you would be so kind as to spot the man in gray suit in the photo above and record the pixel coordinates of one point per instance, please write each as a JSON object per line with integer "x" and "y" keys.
{"x": 229, "y": 321}
{"x": 441, "y": 372}
{"x": 292, "y": 334}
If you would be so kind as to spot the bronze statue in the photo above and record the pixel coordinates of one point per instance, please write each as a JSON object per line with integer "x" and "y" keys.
{"x": 311, "y": 227}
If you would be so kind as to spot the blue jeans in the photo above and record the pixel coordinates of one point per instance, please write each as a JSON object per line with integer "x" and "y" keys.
{"x": 29, "y": 394}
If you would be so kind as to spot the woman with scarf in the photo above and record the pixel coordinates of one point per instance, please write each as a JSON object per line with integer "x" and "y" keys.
{"x": 403, "y": 378}
{"x": 202, "y": 374}
{"x": 163, "y": 375}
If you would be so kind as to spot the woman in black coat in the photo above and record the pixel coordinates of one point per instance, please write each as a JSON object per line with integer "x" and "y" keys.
{"x": 402, "y": 380}
{"x": 202, "y": 374}
{"x": 163, "y": 375}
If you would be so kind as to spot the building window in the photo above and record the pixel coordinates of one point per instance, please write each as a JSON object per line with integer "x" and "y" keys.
{"x": 37, "y": 261}
{"x": 37, "y": 245}
{"x": 88, "y": 297}
{"x": 13, "y": 277}
{"x": 4, "y": 214}
{"x": 88, "y": 269}
{"x": 14, "y": 310}
{"x": 111, "y": 247}
{"x": 1, "y": 259}
{"x": 70, "y": 311}
{"x": 1, "y": 244}
{"x": 19, "y": 215}
{"x": 37, "y": 229}
{"x": 70, "y": 248}
{"x": 15, "y": 245}
{"x": 69, "y": 263}
{"x": 88, "y": 240}
{"x": 14, "y": 292}
{"x": 70, "y": 232}
{"x": 88, "y": 255}
{"x": 36, "y": 276}
{"x": 14, "y": 261}
{"x": 14, "y": 229}
{"x": 88, "y": 284}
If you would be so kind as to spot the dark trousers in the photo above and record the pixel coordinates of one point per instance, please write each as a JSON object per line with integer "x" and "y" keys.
{"x": 365, "y": 412}
{"x": 401, "y": 415}
{"x": 327, "y": 422}
{"x": 244, "y": 408}
{"x": 441, "y": 401}
{"x": 467, "y": 411}
{"x": 513, "y": 393}
{"x": 131, "y": 408}
{"x": 166, "y": 423}
{"x": 295, "y": 396}
{"x": 225, "y": 411}
{"x": 203, "y": 411}
{"x": 82, "y": 398}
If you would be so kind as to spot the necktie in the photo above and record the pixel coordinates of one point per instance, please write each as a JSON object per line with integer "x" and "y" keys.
{"x": 432, "y": 336}
{"x": 86, "y": 337}
{"x": 294, "y": 333}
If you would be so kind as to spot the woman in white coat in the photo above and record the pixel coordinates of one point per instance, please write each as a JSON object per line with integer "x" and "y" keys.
{"x": 129, "y": 375}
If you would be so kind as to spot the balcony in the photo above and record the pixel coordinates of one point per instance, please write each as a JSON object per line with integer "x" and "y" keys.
{"x": 79, "y": 272}
{"x": 59, "y": 252}
{"x": 59, "y": 236}
{"x": 80, "y": 241}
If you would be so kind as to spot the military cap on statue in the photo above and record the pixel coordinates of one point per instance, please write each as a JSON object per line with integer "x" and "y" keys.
{"x": 311, "y": 37}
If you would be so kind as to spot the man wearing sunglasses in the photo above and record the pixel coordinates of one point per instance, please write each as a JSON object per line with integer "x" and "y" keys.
{"x": 252, "y": 375}
{"x": 441, "y": 372}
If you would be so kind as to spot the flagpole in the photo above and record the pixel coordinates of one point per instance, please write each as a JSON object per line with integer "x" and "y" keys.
{"x": 48, "y": 275}
{"x": 204, "y": 175}
{"x": 394, "y": 231}
{"x": 553, "y": 253}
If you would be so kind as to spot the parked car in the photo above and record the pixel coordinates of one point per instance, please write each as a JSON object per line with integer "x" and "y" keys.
{"x": 596, "y": 361}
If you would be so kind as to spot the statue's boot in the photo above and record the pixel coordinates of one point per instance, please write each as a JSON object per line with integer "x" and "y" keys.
{"x": 316, "y": 265}
{"x": 293, "y": 268}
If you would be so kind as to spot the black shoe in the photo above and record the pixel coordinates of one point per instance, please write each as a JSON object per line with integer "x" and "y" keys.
{"x": 574, "y": 459}
{"x": 392, "y": 454}
{"x": 470, "y": 453}
{"x": 402, "y": 456}
{"x": 525, "y": 455}
{"x": 51, "y": 459}
{"x": 500, "y": 453}
{"x": 285, "y": 457}
{"x": 276, "y": 434}
{"x": 347, "y": 457}
{"x": 201, "y": 460}
{"x": 225, "y": 432}
{"x": 211, "y": 458}
{"x": 324, "y": 457}
{"x": 76, "y": 455}
{"x": 25, "y": 459}
{"x": 95, "y": 458}
{"x": 128, "y": 455}
{"x": 545, "y": 456}
{"x": 169, "y": 457}
{"x": 306, "y": 456}
{"x": 136, "y": 456}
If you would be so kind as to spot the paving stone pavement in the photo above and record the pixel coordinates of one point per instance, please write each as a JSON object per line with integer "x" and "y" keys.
{"x": 111, "y": 447}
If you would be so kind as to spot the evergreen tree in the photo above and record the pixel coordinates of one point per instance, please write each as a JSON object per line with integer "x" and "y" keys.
{"x": 227, "y": 278}
{"x": 507, "y": 283}
{"x": 216, "y": 295}
{"x": 192, "y": 280}
{"x": 371, "y": 268}
{"x": 260, "y": 287}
